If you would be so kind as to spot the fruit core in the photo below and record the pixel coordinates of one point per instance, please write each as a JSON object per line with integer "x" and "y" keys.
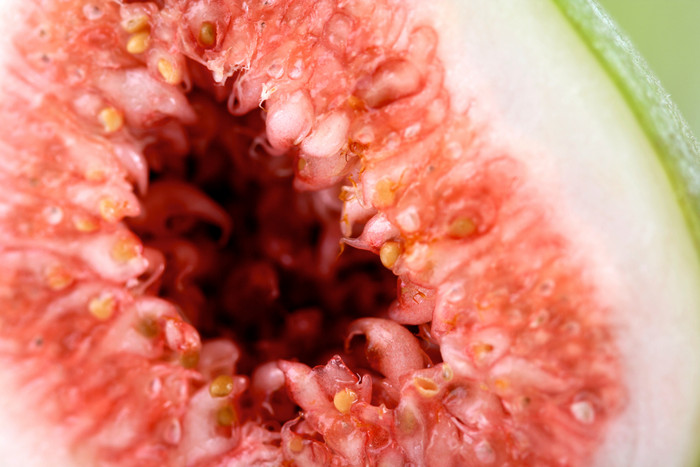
{"x": 214, "y": 204}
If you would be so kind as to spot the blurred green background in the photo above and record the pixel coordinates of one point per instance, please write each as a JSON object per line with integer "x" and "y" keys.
{"x": 667, "y": 33}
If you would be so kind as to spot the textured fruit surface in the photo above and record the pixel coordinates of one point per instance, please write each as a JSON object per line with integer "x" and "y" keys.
{"x": 336, "y": 233}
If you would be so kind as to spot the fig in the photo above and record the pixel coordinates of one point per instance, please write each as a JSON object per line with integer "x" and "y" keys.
{"x": 342, "y": 233}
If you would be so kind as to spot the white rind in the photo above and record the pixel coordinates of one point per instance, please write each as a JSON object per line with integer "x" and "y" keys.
{"x": 522, "y": 68}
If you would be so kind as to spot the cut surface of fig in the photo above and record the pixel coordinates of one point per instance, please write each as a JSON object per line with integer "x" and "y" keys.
{"x": 335, "y": 233}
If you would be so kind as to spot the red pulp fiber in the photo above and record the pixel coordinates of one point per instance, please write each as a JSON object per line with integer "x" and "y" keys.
{"x": 190, "y": 188}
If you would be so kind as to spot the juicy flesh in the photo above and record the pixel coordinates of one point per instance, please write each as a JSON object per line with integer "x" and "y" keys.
{"x": 272, "y": 132}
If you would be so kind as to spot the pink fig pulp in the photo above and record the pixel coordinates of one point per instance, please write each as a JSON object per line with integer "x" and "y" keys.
{"x": 278, "y": 233}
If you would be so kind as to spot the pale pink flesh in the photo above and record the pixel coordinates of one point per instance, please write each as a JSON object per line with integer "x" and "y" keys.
{"x": 354, "y": 94}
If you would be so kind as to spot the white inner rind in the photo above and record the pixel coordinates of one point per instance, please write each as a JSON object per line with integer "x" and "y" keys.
{"x": 522, "y": 69}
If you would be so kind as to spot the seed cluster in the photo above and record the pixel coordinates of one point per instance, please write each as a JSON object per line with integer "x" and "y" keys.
{"x": 259, "y": 162}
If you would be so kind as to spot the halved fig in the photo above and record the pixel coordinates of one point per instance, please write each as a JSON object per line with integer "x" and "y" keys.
{"x": 342, "y": 233}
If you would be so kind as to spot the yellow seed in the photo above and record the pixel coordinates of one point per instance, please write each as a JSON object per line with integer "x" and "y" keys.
{"x": 226, "y": 416}
{"x": 221, "y": 386}
{"x": 111, "y": 210}
{"x": 111, "y": 119}
{"x": 125, "y": 249}
{"x": 102, "y": 307}
{"x": 447, "y": 373}
{"x": 356, "y": 103}
{"x": 167, "y": 70}
{"x": 296, "y": 444}
{"x": 138, "y": 43}
{"x": 461, "y": 227}
{"x": 407, "y": 420}
{"x": 501, "y": 384}
{"x": 189, "y": 359}
{"x": 207, "y": 34}
{"x": 385, "y": 193}
{"x": 344, "y": 399}
{"x": 95, "y": 174}
{"x": 148, "y": 327}
{"x": 301, "y": 164}
{"x": 135, "y": 24}
{"x": 85, "y": 224}
{"x": 481, "y": 350}
{"x": 426, "y": 386}
{"x": 58, "y": 278}
{"x": 389, "y": 253}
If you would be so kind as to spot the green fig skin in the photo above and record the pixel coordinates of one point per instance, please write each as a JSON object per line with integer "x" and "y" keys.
{"x": 653, "y": 107}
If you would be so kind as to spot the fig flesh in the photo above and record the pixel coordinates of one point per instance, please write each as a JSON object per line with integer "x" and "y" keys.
{"x": 540, "y": 216}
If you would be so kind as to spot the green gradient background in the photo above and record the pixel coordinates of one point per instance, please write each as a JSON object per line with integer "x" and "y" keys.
{"x": 667, "y": 33}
